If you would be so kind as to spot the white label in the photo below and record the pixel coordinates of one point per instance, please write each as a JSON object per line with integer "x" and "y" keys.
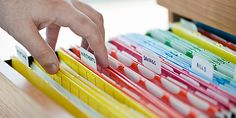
{"x": 22, "y": 55}
{"x": 188, "y": 25}
{"x": 202, "y": 66}
{"x": 88, "y": 58}
{"x": 151, "y": 61}
{"x": 235, "y": 73}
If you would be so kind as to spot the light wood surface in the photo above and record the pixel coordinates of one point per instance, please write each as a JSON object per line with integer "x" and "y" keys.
{"x": 15, "y": 104}
{"x": 220, "y": 14}
{"x": 15, "y": 83}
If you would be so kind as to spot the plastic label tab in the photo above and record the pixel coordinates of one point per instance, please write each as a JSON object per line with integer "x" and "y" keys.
{"x": 151, "y": 61}
{"x": 202, "y": 66}
{"x": 188, "y": 25}
{"x": 22, "y": 55}
{"x": 88, "y": 58}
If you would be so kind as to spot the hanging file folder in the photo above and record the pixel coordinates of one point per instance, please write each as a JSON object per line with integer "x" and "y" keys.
{"x": 166, "y": 84}
{"x": 54, "y": 91}
{"x": 194, "y": 81}
{"x": 101, "y": 81}
{"x": 196, "y": 39}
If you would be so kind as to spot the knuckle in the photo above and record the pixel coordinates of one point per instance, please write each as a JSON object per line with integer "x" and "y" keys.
{"x": 60, "y": 6}
{"x": 100, "y": 17}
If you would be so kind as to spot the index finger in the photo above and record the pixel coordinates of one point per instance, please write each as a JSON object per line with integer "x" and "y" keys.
{"x": 82, "y": 25}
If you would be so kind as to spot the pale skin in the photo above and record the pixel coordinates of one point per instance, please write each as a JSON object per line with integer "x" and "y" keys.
{"x": 23, "y": 19}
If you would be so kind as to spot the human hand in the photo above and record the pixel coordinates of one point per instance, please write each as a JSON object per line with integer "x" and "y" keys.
{"x": 23, "y": 19}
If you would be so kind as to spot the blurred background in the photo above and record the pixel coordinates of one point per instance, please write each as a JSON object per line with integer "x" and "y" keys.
{"x": 120, "y": 17}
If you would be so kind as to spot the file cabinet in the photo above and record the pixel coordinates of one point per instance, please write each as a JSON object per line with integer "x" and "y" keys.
{"x": 220, "y": 14}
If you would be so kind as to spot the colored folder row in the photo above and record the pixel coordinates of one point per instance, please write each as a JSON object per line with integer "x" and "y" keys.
{"x": 128, "y": 87}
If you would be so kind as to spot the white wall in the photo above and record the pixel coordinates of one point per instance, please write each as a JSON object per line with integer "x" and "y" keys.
{"x": 121, "y": 16}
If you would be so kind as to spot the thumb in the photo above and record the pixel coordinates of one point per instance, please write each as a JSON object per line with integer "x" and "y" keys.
{"x": 38, "y": 48}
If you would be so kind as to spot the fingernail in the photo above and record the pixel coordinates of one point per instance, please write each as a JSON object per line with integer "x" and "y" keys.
{"x": 51, "y": 68}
